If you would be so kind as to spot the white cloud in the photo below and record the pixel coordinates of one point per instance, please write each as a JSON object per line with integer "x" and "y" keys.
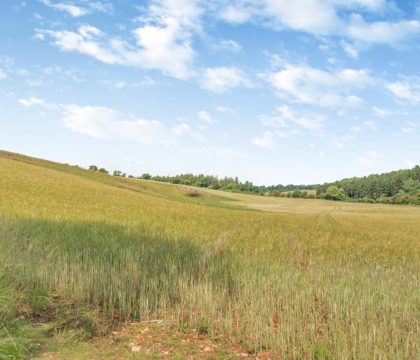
{"x": 230, "y": 45}
{"x": 320, "y": 17}
{"x": 105, "y": 7}
{"x": 406, "y": 90}
{"x": 205, "y": 117}
{"x": 266, "y": 140}
{"x": 68, "y": 8}
{"x": 373, "y": 5}
{"x": 409, "y": 128}
{"x": 286, "y": 123}
{"x": 369, "y": 158}
{"x": 341, "y": 141}
{"x": 236, "y": 14}
{"x": 7, "y": 61}
{"x": 314, "y": 16}
{"x": 309, "y": 85}
{"x": 159, "y": 48}
{"x": 19, "y": 6}
{"x": 84, "y": 41}
{"x": 163, "y": 42}
{"x": 381, "y": 112}
{"x": 381, "y": 32}
{"x": 370, "y": 124}
{"x": 77, "y": 11}
{"x": 3, "y": 75}
{"x": 223, "y": 79}
{"x": 32, "y": 101}
{"x": 350, "y": 49}
{"x": 50, "y": 75}
{"x": 224, "y": 109}
{"x": 183, "y": 129}
{"x": 286, "y": 118}
{"x": 107, "y": 123}
{"x": 120, "y": 84}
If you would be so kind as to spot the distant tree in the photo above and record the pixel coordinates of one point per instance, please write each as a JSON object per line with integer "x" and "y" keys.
{"x": 232, "y": 186}
{"x": 102, "y": 170}
{"x": 335, "y": 193}
{"x": 376, "y": 187}
{"x": 296, "y": 194}
{"x": 93, "y": 168}
{"x": 118, "y": 173}
{"x": 411, "y": 186}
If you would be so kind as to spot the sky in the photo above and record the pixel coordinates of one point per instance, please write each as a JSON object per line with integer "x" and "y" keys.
{"x": 271, "y": 91}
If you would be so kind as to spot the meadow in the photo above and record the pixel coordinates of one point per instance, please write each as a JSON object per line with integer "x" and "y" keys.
{"x": 291, "y": 278}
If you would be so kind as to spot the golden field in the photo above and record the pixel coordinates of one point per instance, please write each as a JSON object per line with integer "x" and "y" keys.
{"x": 293, "y": 278}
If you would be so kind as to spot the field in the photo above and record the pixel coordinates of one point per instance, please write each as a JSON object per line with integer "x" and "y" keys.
{"x": 85, "y": 253}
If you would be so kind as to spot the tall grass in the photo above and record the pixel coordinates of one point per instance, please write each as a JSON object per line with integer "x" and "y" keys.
{"x": 313, "y": 280}
{"x": 129, "y": 271}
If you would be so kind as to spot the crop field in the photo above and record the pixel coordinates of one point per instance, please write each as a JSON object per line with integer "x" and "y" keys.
{"x": 284, "y": 278}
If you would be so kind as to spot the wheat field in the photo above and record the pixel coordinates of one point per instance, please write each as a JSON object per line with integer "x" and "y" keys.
{"x": 301, "y": 279}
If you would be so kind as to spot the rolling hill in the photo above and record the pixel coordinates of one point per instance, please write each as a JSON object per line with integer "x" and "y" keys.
{"x": 84, "y": 253}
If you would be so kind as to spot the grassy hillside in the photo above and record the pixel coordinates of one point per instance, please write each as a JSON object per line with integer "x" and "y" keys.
{"x": 291, "y": 278}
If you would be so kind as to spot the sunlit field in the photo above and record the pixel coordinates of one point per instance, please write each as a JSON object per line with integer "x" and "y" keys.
{"x": 294, "y": 278}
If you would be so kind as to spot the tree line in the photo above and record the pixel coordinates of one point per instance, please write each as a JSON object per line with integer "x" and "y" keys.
{"x": 399, "y": 187}
{"x": 402, "y": 186}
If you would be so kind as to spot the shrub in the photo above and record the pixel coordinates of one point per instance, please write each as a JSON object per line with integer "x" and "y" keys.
{"x": 334, "y": 193}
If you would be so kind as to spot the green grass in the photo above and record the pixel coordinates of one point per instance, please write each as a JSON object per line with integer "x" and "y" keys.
{"x": 292, "y": 277}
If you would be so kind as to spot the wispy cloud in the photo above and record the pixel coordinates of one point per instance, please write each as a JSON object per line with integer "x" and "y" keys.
{"x": 381, "y": 112}
{"x": 71, "y": 9}
{"x": 3, "y": 74}
{"x": 286, "y": 118}
{"x": 369, "y": 158}
{"x": 410, "y": 127}
{"x": 34, "y": 101}
{"x": 205, "y": 117}
{"x": 308, "y": 85}
{"x": 230, "y": 45}
{"x": 223, "y": 79}
{"x": 106, "y": 123}
{"x": 84, "y": 8}
{"x": 285, "y": 123}
{"x": 267, "y": 140}
{"x": 406, "y": 90}
{"x": 381, "y": 32}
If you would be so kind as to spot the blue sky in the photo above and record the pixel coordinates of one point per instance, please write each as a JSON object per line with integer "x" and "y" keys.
{"x": 272, "y": 91}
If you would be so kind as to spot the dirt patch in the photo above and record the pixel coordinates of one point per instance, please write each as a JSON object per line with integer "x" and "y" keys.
{"x": 194, "y": 194}
{"x": 157, "y": 341}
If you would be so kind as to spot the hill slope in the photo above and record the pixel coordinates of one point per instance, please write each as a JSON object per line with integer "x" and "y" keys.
{"x": 86, "y": 251}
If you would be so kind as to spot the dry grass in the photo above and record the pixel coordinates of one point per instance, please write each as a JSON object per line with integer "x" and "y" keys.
{"x": 300, "y": 278}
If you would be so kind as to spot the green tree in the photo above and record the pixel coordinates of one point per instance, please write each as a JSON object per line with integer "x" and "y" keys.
{"x": 118, "y": 173}
{"x": 411, "y": 186}
{"x": 335, "y": 193}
